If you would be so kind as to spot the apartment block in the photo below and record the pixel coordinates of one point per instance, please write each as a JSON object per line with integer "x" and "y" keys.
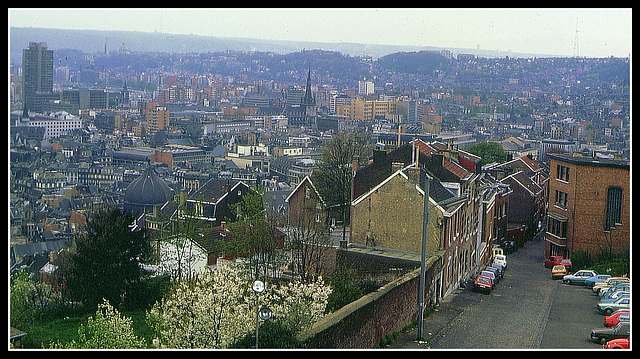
{"x": 589, "y": 205}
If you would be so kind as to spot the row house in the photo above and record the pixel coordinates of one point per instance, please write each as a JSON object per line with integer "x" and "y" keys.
{"x": 529, "y": 183}
{"x": 387, "y": 208}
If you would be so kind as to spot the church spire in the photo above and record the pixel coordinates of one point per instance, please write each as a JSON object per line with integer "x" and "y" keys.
{"x": 308, "y": 96}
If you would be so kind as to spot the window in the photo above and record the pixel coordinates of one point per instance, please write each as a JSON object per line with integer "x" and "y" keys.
{"x": 563, "y": 173}
{"x": 614, "y": 208}
{"x": 557, "y": 227}
{"x": 561, "y": 199}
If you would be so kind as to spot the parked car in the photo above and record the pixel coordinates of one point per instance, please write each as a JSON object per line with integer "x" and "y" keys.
{"x": 609, "y": 282}
{"x": 620, "y": 330}
{"x": 509, "y": 247}
{"x": 620, "y": 343}
{"x": 613, "y": 296}
{"x": 607, "y": 308}
{"x": 490, "y": 275}
{"x": 590, "y": 282}
{"x": 607, "y": 293}
{"x": 578, "y": 277}
{"x": 566, "y": 262}
{"x": 617, "y": 316}
{"x": 553, "y": 261}
{"x": 483, "y": 284}
{"x": 558, "y": 271}
{"x": 500, "y": 259}
{"x": 496, "y": 251}
{"x": 499, "y": 267}
{"x": 495, "y": 271}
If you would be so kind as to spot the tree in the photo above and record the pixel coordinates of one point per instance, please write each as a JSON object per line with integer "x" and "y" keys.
{"x": 177, "y": 246}
{"x": 26, "y": 297}
{"x": 107, "y": 330}
{"x": 218, "y": 309}
{"x": 490, "y": 152}
{"x": 309, "y": 242}
{"x": 208, "y": 312}
{"x": 333, "y": 176}
{"x": 108, "y": 260}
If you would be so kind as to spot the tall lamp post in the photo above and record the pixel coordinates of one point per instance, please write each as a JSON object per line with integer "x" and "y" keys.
{"x": 423, "y": 256}
{"x": 264, "y": 312}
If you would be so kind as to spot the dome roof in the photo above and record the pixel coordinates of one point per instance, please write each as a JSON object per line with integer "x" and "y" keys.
{"x": 147, "y": 190}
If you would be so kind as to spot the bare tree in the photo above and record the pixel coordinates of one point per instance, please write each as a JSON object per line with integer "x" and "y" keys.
{"x": 309, "y": 243}
{"x": 334, "y": 173}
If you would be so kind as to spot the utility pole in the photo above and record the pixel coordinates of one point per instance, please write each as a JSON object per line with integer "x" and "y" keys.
{"x": 423, "y": 256}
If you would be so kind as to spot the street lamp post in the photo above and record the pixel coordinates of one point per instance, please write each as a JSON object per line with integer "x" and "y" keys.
{"x": 264, "y": 312}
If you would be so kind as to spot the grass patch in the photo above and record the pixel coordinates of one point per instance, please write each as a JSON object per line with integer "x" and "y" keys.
{"x": 44, "y": 332}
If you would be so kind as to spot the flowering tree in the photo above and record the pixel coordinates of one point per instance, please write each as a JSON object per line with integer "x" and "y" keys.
{"x": 107, "y": 330}
{"x": 219, "y": 308}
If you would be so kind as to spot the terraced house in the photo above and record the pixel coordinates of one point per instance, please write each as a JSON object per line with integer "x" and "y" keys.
{"x": 387, "y": 209}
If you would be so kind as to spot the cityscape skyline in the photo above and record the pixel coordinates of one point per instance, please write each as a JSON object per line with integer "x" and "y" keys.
{"x": 560, "y": 32}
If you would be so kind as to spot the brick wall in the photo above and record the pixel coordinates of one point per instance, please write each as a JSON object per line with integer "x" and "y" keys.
{"x": 364, "y": 322}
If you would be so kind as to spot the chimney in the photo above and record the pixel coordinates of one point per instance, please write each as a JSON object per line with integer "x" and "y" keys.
{"x": 223, "y": 225}
{"x": 355, "y": 164}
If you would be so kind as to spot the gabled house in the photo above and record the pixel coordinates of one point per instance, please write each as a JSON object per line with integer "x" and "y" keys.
{"x": 216, "y": 201}
{"x": 306, "y": 204}
{"x": 527, "y": 200}
{"x": 388, "y": 199}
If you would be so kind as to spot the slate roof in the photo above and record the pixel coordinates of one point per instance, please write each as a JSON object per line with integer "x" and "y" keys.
{"x": 147, "y": 189}
{"x": 213, "y": 190}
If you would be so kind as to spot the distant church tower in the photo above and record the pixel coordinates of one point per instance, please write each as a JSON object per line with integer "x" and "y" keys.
{"x": 301, "y": 111}
{"x": 309, "y": 101}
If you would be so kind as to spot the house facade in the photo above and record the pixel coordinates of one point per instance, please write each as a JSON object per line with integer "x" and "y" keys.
{"x": 387, "y": 209}
{"x": 589, "y": 205}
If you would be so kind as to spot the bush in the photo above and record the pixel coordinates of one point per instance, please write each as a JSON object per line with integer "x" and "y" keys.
{"x": 273, "y": 334}
{"x": 345, "y": 289}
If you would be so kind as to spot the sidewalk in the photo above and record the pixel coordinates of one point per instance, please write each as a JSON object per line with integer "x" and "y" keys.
{"x": 433, "y": 325}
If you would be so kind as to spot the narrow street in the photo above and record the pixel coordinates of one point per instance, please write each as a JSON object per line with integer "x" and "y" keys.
{"x": 526, "y": 310}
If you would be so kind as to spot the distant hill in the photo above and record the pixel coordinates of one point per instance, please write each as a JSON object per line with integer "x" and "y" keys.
{"x": 94, "y": 41}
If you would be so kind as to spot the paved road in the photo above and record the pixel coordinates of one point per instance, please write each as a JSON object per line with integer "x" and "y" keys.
{"x": 527, "y": 310}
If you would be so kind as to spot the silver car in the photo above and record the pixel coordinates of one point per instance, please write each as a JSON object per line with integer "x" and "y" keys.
{"x": 608, "y": 308}
{"x": 578, "y": 277}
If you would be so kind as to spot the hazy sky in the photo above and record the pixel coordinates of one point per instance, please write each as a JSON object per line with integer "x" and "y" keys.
{"x": 601, "y": 32}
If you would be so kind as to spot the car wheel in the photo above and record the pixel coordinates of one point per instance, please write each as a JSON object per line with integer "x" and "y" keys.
{"x": 608, "y": 311}
{"x": 569, "y": 281}
{"x": 603, "y": 340}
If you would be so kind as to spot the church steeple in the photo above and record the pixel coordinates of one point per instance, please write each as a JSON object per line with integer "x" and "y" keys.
{"x": 308, "y": 96}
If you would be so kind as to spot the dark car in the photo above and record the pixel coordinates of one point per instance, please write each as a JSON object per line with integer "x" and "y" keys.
{"x": 509, "y": 247}
{"x": 495, "y": 271}
{"x": 620, "y": 330}
{"x": 482, "y": 284}
{"x": 499, "y": 267}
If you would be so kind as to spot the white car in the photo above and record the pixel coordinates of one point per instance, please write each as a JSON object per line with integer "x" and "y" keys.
{"x": 578, "y": 277}
{"x": 500, "y": 259}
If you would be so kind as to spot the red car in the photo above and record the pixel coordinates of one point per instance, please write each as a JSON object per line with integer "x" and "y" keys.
{"x": 553, "y": 261}
{"x": 566, "y": 262}
{"x": 613, "y": 319}
{"x": 482, "y": 283}
{"x": 620, "y": 343}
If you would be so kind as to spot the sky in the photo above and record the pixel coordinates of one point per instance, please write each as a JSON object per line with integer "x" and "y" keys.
{"x": 586, "y": 32}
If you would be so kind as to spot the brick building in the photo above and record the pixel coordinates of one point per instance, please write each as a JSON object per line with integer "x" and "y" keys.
{"x": 589, "y": 205}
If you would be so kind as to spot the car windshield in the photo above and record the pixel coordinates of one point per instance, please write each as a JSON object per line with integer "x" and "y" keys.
{"x": 501, "y": 257}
